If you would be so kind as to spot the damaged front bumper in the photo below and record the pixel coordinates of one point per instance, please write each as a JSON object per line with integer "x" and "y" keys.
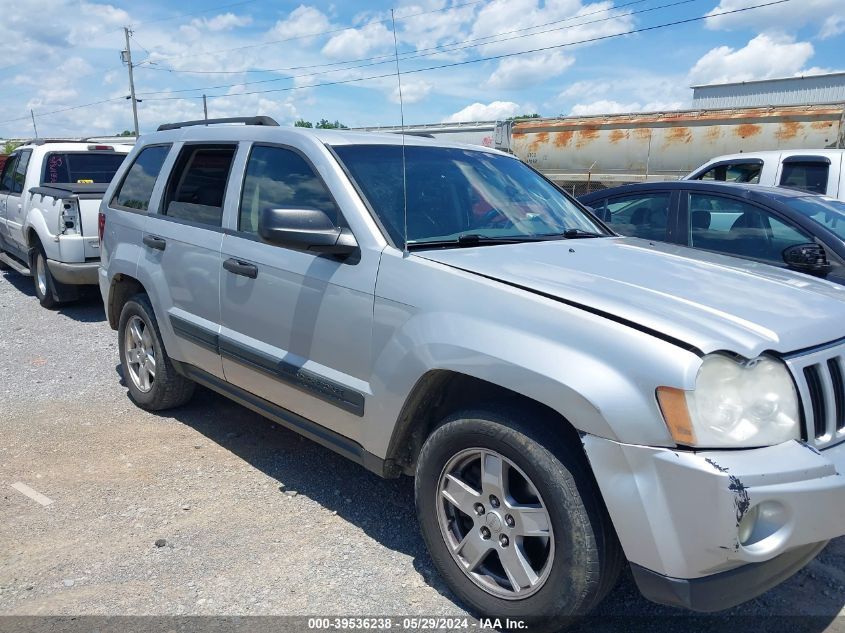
{"x": 709, "y": 530}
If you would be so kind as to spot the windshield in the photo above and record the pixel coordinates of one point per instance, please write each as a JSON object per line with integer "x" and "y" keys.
{"x": 825, "y": 211}
{"x": 79, "y": 167}
{"x": 456, "y": 192}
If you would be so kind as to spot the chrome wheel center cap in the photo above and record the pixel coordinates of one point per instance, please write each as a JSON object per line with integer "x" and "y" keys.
{"x": 493, "y": 522}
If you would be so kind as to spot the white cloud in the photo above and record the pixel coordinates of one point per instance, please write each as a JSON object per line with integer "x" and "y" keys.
{"x": 528, "y": 70}
{"x": 564, "y": 22}
{"x": 786, "y": 17}
{"x": 607, "y": 106}
{"x": 834, "y": 25}
{"x": 222, "y": 22}
{"x": 625, "y": 92}
{"x": 485, "y": 112}
{"x": 356, "y": 43}
{"x": 303, "y": 20}
{"x": 413, "y": 91}
{"x": 764, "y": 57}
{"x": 434, "y": 29}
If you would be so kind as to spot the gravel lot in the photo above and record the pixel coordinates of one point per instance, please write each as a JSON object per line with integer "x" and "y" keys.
{"x": 213, "y": 510}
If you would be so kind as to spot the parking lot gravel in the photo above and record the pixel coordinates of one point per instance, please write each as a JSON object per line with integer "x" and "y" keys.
{"x": 213, "y": 510}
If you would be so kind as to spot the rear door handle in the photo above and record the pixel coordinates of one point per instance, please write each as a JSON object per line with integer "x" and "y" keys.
{"x": 238, "y": 267}
{"x": 155, "y": 242}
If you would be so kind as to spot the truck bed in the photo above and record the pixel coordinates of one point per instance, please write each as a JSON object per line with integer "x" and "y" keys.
{"x": 62, "y": 191}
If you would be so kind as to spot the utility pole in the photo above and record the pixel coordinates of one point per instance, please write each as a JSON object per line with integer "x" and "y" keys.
{"x": 205, "y": 108}
{"x": 127, "y": 58}
{"x": 34, "y": 127}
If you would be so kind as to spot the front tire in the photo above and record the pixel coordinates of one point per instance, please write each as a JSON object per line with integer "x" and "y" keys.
{"x": 153, "y": 382}
{"x": 513, "y": 518}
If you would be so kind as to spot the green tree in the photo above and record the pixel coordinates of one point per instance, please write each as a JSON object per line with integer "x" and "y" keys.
{"x": 125, "y": 133}
{"x": 9, "y": 147}
{"x": 303, "y": 123}
{"x": 325, "y": 124}
{"x": 524, "y": 116}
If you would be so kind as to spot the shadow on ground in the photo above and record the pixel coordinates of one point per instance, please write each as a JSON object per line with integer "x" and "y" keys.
{"x": 384, "y": 510}
{"x": 88, "y": 308}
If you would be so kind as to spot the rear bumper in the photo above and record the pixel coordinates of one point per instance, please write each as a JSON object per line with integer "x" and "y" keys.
{"x": 678, "y": 515}
{"x": 76, "y": 274}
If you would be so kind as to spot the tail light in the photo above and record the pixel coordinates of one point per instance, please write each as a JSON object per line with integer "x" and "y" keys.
{"x": 101, "y": 225}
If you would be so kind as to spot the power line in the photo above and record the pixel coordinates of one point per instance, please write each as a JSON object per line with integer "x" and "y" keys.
{"x": 174, "y": 17}
{"x": 68, "y": 109}
{"x": 472, "y": 43}
{"x": 431, "y": 68}
{"x": 328, "y": 32}
{"x": 430, "y": 48}
{"x": 201, "y": 11}
{"x": 491, "y": 57}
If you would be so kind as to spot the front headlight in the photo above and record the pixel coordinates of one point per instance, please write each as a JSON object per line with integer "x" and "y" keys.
{"x": 735, "y": 404}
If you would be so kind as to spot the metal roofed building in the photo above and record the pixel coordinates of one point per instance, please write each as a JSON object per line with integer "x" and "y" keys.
{"x": 812, "y": 89}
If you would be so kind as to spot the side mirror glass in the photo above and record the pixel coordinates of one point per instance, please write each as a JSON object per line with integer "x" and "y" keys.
{"x": 807, "y": 258}
{"x": 305, "y": 230}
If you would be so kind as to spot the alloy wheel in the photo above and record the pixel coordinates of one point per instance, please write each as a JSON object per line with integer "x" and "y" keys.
{"x": 495, "y": 523}
{"x": 140, "y": 354}
{"x": 41, "y": 275}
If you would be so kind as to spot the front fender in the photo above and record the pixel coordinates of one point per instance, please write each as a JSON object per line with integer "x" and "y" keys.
{"x": 595, "y": 396}
{"x": 597, "y": 373}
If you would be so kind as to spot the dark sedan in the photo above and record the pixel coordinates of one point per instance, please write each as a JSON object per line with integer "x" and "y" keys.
{"x": 781, "y": 227}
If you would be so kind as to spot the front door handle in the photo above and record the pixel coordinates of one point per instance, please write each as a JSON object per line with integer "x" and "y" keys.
{"x": 238, "y": 267}
{"x": 155, "y": 242}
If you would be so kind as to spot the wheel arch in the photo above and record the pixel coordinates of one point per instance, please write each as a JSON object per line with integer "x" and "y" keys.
{"x": 123, "y": 287}
{"x": 439, "y": 393}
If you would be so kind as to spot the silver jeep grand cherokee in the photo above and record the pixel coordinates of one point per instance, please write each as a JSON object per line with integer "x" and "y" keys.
{"x": 566, "y": 399}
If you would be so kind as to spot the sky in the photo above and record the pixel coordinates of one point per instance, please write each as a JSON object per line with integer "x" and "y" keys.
{"x": 459, "y": 60}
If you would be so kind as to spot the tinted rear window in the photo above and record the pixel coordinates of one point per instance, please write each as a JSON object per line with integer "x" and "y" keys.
{"x": 80, "y": 167}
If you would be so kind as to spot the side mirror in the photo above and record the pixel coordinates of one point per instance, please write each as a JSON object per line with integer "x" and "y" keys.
{"x": 807, "y": 258}
{"x": 305, "y": 230}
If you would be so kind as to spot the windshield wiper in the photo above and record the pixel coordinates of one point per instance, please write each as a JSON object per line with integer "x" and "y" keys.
{"x": 474, "y": 239}
{"x": 577, "y": 234}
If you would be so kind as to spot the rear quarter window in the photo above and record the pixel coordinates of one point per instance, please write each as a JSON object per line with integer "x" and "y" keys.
{"x": 805, "y": 175}
{"x": 137, "y": 187}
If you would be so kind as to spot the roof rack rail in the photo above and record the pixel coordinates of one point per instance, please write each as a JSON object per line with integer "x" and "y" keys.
{"x": 246, "y": 120}
{"x": 420, "y": 134}
{"x": 44, "y": 141}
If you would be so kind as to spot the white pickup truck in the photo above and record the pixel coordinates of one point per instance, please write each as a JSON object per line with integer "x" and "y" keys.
{"x": 50, "y": 195}
{"x": 815, "y": 170}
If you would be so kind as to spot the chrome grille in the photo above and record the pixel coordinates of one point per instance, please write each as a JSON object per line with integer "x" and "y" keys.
{"x": 820, "y": 376}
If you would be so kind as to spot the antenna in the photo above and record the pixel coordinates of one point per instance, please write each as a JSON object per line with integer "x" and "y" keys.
{"x": 402, "y": 120}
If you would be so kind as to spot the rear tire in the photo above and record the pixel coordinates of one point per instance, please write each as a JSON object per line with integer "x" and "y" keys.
{"x": 45, "y": 284}
{"x": 153, "y": 382}
{"x": 573, "y": 563}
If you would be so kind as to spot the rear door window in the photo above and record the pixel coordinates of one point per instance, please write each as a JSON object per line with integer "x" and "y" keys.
{"x": 19, "y": 178}
{"x": 733, "y": 227}
{"x": 137, "y": 187}
{"x": 80, "y": 167}
{"x": 197, "y": 185}
{"x": 805, "y": 175}
{"x": 644, "y": 215}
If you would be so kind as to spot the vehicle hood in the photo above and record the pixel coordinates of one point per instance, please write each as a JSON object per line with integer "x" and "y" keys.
{"x": 705, "y": 301}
